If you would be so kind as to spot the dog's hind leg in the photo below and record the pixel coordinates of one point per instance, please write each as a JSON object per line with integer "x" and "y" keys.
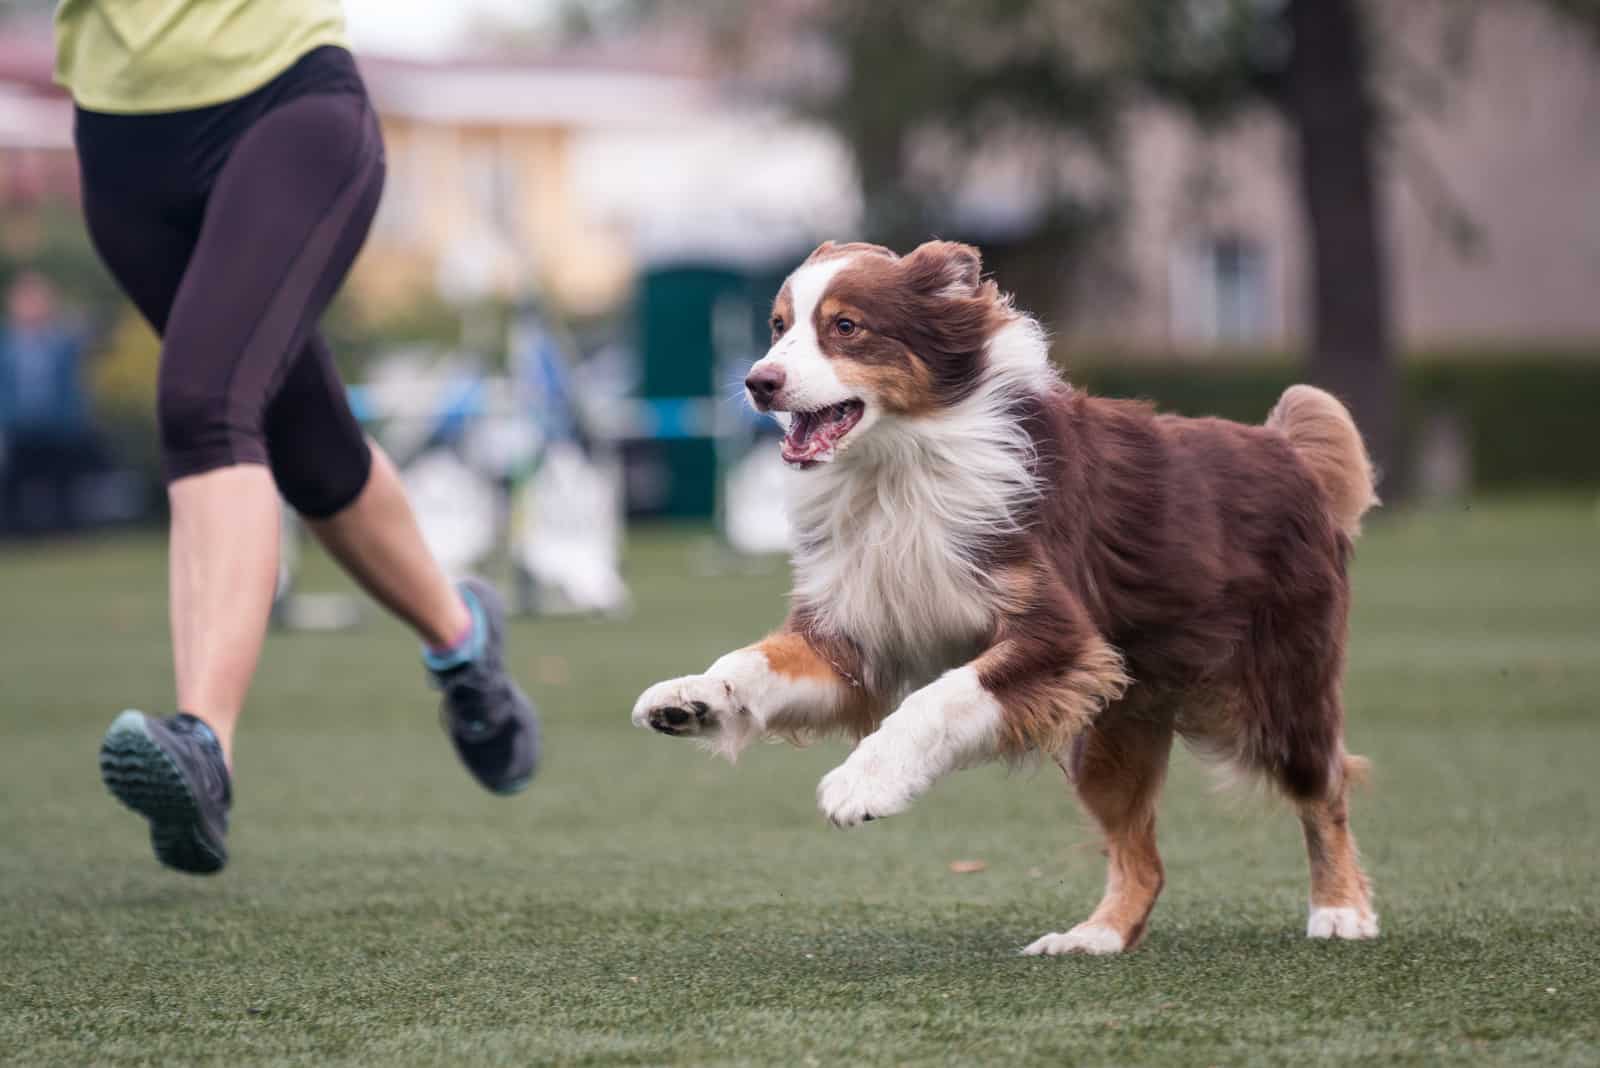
{"x": 1341, "y": 897}
{"x": 1119, "y": 767}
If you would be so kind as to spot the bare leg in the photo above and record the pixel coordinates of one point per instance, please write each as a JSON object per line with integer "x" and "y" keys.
{"x": 1341, "y": 899}
{"x": 1124, "y": 762}
{"x": 223, "y": 570}
{"x": 377, "y": 542}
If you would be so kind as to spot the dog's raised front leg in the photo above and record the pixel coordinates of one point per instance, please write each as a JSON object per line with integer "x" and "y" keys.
{"x": 951, "y": 723}
{"x": 1023, "y": 694}
{"x": 783, "y": 684}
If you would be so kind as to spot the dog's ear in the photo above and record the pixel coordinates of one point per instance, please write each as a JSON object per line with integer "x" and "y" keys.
{"x": 946, "y": 269}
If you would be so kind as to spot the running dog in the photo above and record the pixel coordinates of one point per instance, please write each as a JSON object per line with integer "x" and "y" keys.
{"x": 989, "y": 563}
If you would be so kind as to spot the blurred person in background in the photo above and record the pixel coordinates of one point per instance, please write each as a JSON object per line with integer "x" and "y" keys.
{"x": 231, "y": 165}
{"x": 46, "y": 440}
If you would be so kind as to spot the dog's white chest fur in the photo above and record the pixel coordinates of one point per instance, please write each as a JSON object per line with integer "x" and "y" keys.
{"x": 892, "y": 536}
{"x": 876, "y": 566}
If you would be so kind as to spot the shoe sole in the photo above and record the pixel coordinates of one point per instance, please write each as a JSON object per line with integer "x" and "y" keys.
{"x": 515, "y": 786}
{"x": 141, "y": 775}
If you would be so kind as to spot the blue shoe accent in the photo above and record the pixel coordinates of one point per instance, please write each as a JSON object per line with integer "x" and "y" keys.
{"x": 490, "y": 720}
{"x": 470, "y": 649}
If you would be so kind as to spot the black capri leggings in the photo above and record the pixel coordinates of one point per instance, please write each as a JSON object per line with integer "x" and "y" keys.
{"x": 231, "y": 227}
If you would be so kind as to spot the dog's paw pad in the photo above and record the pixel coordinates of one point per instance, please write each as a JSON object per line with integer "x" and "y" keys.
{"x": 1348, "y": 923}
{"x": 675, "y": 719}
{"x": 1087, "y": 938}
{"x": 684, "y": 707}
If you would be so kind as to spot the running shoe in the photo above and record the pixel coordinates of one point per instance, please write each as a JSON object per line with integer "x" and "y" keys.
{"x": 171, "y": 771}
{"x": 489, "y": 719}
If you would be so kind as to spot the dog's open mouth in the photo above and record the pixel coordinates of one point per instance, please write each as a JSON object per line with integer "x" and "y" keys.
{"x": 814, "y": 435}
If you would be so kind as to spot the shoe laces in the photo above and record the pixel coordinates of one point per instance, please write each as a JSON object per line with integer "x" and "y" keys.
{"x": 472, "y": 699}
{"x": 211, "y": 767}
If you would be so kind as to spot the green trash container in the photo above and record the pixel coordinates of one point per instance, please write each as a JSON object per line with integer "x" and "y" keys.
{"x": 679, "y": 307}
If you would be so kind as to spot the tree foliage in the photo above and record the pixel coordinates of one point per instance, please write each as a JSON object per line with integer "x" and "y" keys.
{"x": 1005, "y": 73}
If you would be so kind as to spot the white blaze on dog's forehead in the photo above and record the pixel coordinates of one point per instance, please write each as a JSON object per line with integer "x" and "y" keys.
{"x": 810, "y": 379}
{"x": 808, "y": 284}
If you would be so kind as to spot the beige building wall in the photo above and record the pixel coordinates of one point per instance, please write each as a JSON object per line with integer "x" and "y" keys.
{"x": 1519, "y": 147}
{"x": 1513, "y": 148}
{"x": 497, "y": 167}
{"x": 499, "y": 195}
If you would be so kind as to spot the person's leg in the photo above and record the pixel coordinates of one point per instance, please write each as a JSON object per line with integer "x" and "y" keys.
{"x": 233, "y": 279}
{"x": 352, "y": 500}
{"x": 378, "y": 542}
{"x": 282, "y": 224}
{"x": 223, "y": 569}
{"x": 147, "y": 242}
{"x": 222, "y": 556}
{"x": 172, "y": 770}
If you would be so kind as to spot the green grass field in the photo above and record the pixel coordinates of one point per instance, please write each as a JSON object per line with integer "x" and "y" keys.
{"x": 643, "y": 904}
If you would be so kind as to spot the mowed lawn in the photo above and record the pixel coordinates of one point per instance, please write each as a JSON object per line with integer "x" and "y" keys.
{"x": 645, "y": 904}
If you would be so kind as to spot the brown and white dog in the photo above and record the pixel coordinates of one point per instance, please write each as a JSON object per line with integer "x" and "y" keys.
{"x": 990, "y": 563}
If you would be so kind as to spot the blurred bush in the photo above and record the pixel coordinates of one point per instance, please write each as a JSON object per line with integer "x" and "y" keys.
{"x": 122, "y": 383}
{"x": 51, "y": 241}
{"x": 1528, "y": 414}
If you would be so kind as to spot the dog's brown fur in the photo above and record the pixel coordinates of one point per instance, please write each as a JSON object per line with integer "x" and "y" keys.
{"x": 1149, "y": 576}
{"x": 1213, "y": 559}
{"x": 1175, "y": 575}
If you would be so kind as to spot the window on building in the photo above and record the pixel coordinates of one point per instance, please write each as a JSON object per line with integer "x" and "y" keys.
{"x": 492, "y": 180}
{"x": 1220, "y": 292}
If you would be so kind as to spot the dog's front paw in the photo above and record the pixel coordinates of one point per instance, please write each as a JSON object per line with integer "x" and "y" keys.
{"x": 695, "y": 705}
{"x": 1089, "y": 938}
{"x": 857, "y": 791}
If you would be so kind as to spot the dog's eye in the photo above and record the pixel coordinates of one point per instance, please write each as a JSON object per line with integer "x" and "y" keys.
{"x": 845, "y": 327}
{"x": 777, "y": 325}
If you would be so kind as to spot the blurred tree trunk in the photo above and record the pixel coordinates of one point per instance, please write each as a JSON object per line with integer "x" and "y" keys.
{"x": 1327, "y": 98}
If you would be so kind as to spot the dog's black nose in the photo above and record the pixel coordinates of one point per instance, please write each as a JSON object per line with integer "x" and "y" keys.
{"x": 764, "y": 384}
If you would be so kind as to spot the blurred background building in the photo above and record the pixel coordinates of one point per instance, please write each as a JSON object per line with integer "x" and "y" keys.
{"x": 1204, "y": 200}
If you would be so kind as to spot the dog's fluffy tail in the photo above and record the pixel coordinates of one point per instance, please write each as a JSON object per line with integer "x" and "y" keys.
{"x": 1322, "y": 432}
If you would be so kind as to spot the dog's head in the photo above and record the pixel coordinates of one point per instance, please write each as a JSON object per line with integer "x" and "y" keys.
{"x": 860, "y": 334}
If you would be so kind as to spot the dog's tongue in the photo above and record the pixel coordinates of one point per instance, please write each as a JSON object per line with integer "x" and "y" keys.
{"x": 812, "y": 436}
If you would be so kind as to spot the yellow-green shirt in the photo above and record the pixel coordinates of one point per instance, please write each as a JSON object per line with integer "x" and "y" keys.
{"x": 136, "y": 56}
